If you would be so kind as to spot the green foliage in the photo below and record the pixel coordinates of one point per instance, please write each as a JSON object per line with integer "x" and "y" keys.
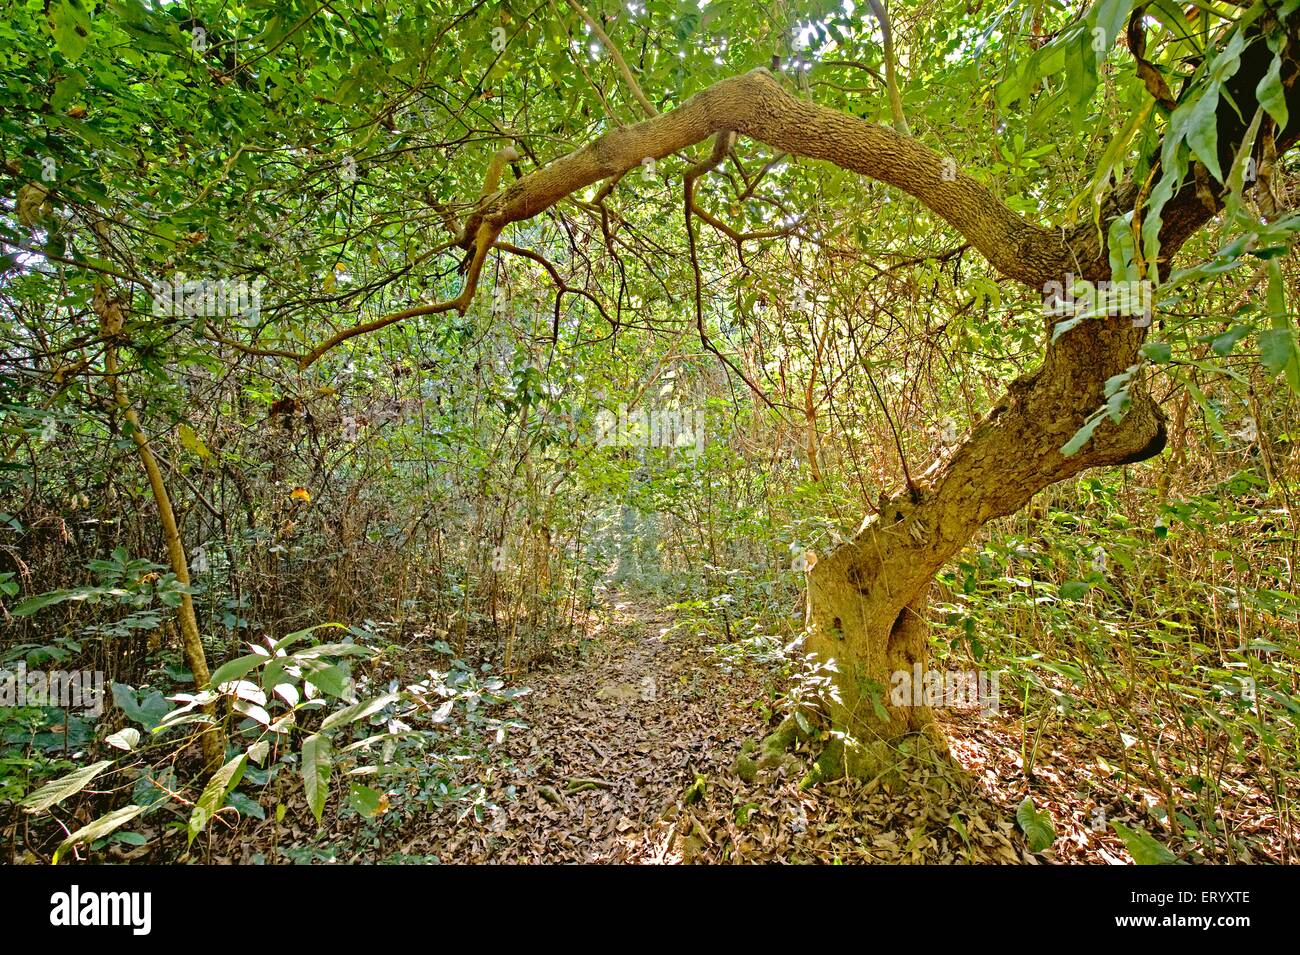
{"x": 316, "y": 768}
{"x": 1100, "y": 612}
{"x": 1037, "y": 826}
{"x": 1144, "y": 849}
{"x": 103, "y": 826}
{"x": 60, "y": 789}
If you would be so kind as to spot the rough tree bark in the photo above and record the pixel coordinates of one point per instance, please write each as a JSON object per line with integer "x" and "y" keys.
{"x": 866, "y": 600}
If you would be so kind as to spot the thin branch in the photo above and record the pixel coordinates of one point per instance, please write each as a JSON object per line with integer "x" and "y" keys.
{"x": 891, "y": 78}
{"x": 486, "y": 236}
{"x": 560, "y": 284}
{"x": 721, "y": 147}
{"x": 617, "y": 57}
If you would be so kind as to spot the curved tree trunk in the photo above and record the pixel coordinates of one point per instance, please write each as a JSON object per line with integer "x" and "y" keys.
{"x": 866, "y": 600}
{"x": 211, "y": 738}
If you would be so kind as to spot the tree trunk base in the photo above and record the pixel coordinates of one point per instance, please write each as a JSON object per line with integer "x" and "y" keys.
{"x": 887, "y": 761}
{"x": 842, "y": 757}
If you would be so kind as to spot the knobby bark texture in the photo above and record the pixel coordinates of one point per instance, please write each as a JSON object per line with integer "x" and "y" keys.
{"x": 867, "y": 599}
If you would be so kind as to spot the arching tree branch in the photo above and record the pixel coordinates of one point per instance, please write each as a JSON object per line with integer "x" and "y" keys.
{"x": 756, "y": 105}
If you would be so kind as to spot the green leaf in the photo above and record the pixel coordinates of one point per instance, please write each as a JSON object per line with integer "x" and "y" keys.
{"x": 802, "y": 720}
{"x": 1158, "y": 352}
{"x": 365, "y": 800}
{"x": 148, "y": 713}
{"x": 70, "y": 24}
{"x": 191, "y": 442}
{"x": 1109, "y": 16}
{"x": 358, "y": 711}
{"x": 1225, "y": 343}
{"x": 1208, "y": 409}
{"x": 297, "y": 635}
{"x": 1074, "y": 589}
{"x": 101, "y": 827}
{"x": 316, "y": 767}
{"x": 214, "y": 794}
{"x": 333, "y": 681}
{"x": 246, "y": 805}
{"x": 1144, "y": 849}
{"x": 1173, "y": 162}
{"x": 236, "y": 669}
{"x": 1203, "y": 130}
{"x": 1082, "y": 436}
{"x": 1271, "y": 95}
{"x": 32, "y": 604}
{"x": 1276, "y": 294}
{"x": 61, "y": 789}
{"x": 1037, "y": 826}
{"x": 1278, "y": 350}
{"x": 332, "y": 650}
{"x": 127, "y": 739}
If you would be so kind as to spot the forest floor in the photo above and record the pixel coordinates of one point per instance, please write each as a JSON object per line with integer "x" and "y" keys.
{"x": 628, "y": 755}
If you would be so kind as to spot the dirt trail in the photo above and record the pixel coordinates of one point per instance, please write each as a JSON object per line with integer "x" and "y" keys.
{"x": 614, "y": 743}
{"x": 627, "y": 758}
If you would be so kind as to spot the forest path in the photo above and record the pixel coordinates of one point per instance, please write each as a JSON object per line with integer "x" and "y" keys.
{"x": 627, "y": 758}
{"x": 626, "y": 755}
{"x": 615, "y": 741}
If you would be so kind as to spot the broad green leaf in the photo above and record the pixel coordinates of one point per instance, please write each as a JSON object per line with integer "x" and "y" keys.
{"x": 1225, "y": 343}
{"x": 103, "y": 826}
{"x": 70, "y": 24}
{"x": 1144, "y": 849}
{"x": 316, "y": 768}
{"x": 127, "y": 739}
{"x": 292, "y": 638}
{"x": 236, "y": 669}
{"x": 191, "y": 442}
{"x": 245, "y": 805}
{"x": 1083, "y": 435}
{"x": 1276, "y": 294}
{"x": 214, "y": 793}
{"x": 358, "y": 711}
{"x": 1211, "y": 413}
{"x": 1278, "y": 349}
{"x": 1271, "y": 94}
{"x": 365, "y": 800}
{"x": 1074, "y": 589}
{"x": 1158, "y": 352}
{"x": 1203, "y": 130}
{"x": 333, "y": 681}
{"x": 332, "y": 650}
{"x": 1109, "y": 16}
{"x": 32, "y": 604}
{"x": 1037, "y": 826}
{"x": 60, "y": 789}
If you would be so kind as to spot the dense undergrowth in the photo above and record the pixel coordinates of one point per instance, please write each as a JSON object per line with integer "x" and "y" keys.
{"x": 1147, "y": 612}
